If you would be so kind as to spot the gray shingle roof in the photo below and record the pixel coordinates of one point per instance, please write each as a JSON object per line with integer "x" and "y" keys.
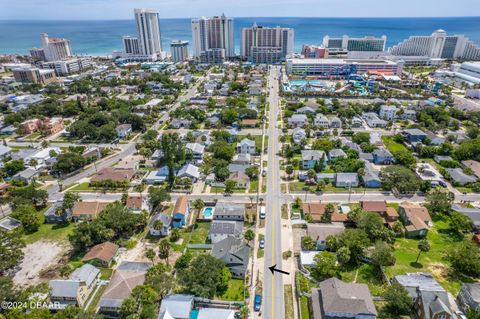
{"x": 64, "y": 288}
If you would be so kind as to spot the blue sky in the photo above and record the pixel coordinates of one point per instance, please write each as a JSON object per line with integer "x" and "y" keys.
{"x": 122, "y": 9}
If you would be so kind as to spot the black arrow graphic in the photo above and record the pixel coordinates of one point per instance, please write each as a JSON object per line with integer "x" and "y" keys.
{"x": 273, "y": 269}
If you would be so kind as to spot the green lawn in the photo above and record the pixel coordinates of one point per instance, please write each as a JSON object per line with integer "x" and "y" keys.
{"x": 106, "y": 273}
{"x": 253, "y": 186}
{"x": 304, "y": 312}
{"x": 96, "y": 298}
{"x": 288, "y": 296}
{"x": 49, "y": 232}
{"x": 234, "y": 291}
{"x": 393, "y": 146}
{"x": 197, "y": 236}
{"x": 365, "y": 274}
{"x": 441, "y": 239}
{"x": 85, "y": 187}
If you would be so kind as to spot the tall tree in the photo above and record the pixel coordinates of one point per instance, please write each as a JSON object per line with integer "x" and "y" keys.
{"x": 11, "y": 252}
{"x": 164, "y": 249}
{"x": 423, "y": 247}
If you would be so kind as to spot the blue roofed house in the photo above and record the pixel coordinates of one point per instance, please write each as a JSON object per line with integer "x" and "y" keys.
{"x": 382, "y": 156}
{"x": 157, "y": 177}
{"x": 311, "y": 157}
{"x": 181, "y": 212}
{"x": 414, "y": 135}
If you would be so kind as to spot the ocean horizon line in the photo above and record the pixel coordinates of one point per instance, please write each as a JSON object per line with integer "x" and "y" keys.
{"x": 259, "y": 17}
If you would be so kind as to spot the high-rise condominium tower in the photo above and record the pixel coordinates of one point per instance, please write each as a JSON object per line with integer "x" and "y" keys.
{"x": 179, "y": 50}
{"x": 439, "y": 45}
{"x": 148, "y": 28}
{"x": 212, "y": 38}
{"x": 266, "y": 45}
{"x": 55, "y": 48}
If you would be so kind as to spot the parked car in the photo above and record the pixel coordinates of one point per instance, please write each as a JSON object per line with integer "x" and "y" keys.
{"x": 258, "y": 303}
{"x": 262, "y": 212}
{"x": 443, "y": 184}
{"x": 261, "y": 243}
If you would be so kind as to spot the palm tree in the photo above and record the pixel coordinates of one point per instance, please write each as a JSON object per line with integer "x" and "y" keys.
{"x": 150, "y": 254}
{"x": 164, "y": 250}
{"x": 33, "y": 162}
{"x": 175, "y": 235}
{"x": 423, "y": 246}
{"x": 249, "y": 235}
{"x": 157, "y": 225}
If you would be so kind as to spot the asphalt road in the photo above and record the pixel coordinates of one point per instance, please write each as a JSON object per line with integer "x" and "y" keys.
{"x": 273, "y": 306}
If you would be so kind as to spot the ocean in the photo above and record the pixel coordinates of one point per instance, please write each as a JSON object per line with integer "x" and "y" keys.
{"x": 103, "y": 37}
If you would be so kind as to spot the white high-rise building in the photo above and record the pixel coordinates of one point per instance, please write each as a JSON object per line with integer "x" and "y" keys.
{"x": 148, "y": 28}
{"x": 212, "y": 37}
{"x": 266, "y": 45}
{"x": 130, "y": 45}
{"x": 55, "y": 48}
{"x": 179, "y": 50}
{"x": 439, "y": 45}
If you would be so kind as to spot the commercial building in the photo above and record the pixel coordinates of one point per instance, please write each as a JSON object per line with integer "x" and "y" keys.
{"x": 34, "y": 76}
{"x": 345, "y": 44}
{"x": 340, "y": 67}
{"x": 131, "y": 45}
{"x": 213, "y": 34}
{"x": 179, "y": 50}
{"x": 69, "y": 66}
{"x": 38, "y": 54}
{"x": 148, "y": 29}
{"x": 266, "y": 45}
{"x": 314, "y": 52}
{"x": 55, "y": 48}
{"x": 439, "y": 45}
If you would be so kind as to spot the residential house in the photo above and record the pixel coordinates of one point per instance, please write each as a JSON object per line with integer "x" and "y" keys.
{"x": 4, "y": 151}
{"x": 474, "y": 166}
{"x": 336, "y": 153}
{"x": 298, "y": 120}
{"x": 180, "y": 212}
{"x": 180, "y": 123}
{"x": 246, "y": 146}
{"x": 373, "y": 120}
{"x": 242, "y": 159}
{"x": 433, "y": 305}
{"x": 415, "y": 218}
{"x": 221, "y": 229}
{"x": 189, "y": 171}
{"x": 234, "y": 253}
{"x": 241, "y": 179}
{"x": 310, "y": 158}
{"x": 321, "y": 121}
{"x": 413, "y": 282}
{"x": 136, "y": 203}
{"x": 356, "y": 122}
{"x": 113, "y": 174}
{"x": 249, "y": 123}
{"x": 43, "y": 156}
{"x": 232, "y": 168}
{"x": 197, "y": 150}
{"x": 103, "y": 253}
{"x": 123, "y": 130}
{"x": 414, "y": 135}
{"x": 229, "y": 211}
{"x": 85, "y": 210}
{"x": 371, "y": 177}
{"x": 317, "y": 210}
{"x": 388, "y": 112}
{"x": 77, "y": 288}
{"x": 8, "y": 223}
{"x": 388, "y": 214}
{"x": 458, "y": 176}
{"x": 166, "y": 223}
{"x": 320, "y": 232}
{"x": 335, "y": 122}
{"x": 337, "y": 299}
{"x": 177, "y": 307}
{"x": 27, "y": 175}
{"x": 410, "y": 115}
{"x": 55, "y": 214}
{"x": 299, "y": 135}
{"x": 127, "y": 276}
{"x": 382, "y": 156}
{"x": 346, "y": 180}
{"x": 469, "y": 297}
{"x": 441, "y": 158}
{"x": 157, "y": 177}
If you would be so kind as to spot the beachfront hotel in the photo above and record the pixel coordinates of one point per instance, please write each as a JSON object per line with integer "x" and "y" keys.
{"x": 148, "y": 28}
{"x": 266, "y": 45}
{"x": 179, "y": 50}
{"x": 347, "y": 44}
{"x": 212, "y": 39}
{"x": 439, "y": 45}
{"x": 55, "y": 48}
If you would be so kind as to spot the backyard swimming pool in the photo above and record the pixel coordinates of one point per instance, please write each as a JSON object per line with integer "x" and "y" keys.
{"x": 208, "y": 212}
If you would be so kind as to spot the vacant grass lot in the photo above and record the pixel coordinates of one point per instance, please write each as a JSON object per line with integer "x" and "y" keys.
{"x": 49, "y": 232}
{"x": 441, "y": 238}
{"x": 234, "y": 291}
{"x": 197, "y": 235}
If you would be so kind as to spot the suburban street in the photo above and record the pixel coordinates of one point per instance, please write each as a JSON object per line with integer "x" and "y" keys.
{"x": 273, "y": 306}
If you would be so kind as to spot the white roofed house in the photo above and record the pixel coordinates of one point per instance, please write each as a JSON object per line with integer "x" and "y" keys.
{"x": 321, "y": 121}
{"x": 189, "y": 171}
{"x": 299, "y": 135}
{"x": 246, "y": 146}
{"x": 123, "y": 130}
{"x": 43, "y": 156}
{"x": 298, "y": 120}
{"x": 197, "y": 150}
